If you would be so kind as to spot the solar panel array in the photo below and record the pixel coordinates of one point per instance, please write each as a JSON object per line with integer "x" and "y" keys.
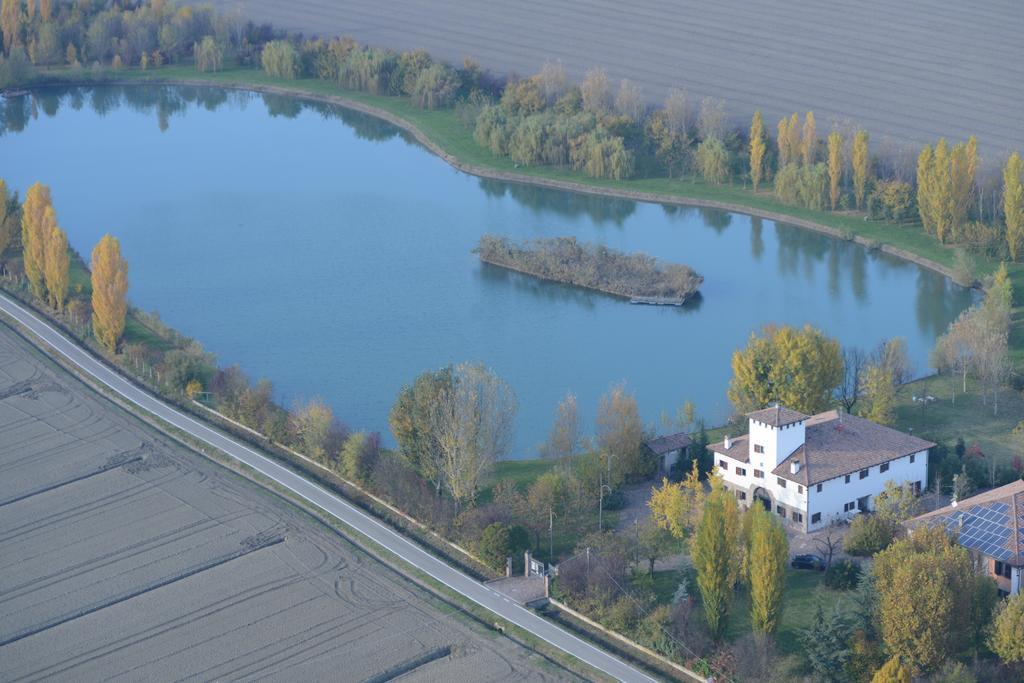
{"x": 986, "y": 528}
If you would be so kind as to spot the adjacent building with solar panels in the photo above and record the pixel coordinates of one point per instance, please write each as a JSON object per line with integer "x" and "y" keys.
{"x": 991, "y": 526}
{"x": 813, "y": 470}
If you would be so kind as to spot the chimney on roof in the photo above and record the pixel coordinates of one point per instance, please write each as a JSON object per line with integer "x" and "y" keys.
{"x": 728, "y": 442}
{"x": 794, "y": 467}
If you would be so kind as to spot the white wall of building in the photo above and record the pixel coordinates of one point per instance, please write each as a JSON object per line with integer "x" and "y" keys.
{"x": 778, "y": 443}
{"x": 836, "y": 493}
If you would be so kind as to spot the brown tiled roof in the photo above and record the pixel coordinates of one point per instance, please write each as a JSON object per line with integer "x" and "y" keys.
{"x": 669, "y": 443}
{"x": 777, "y": 416}
{"x": 738, "y": 449}
{"x": 991, "y": 523}
{"x": 836, "y": 445}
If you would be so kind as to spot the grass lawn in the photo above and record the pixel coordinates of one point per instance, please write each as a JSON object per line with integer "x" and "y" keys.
{"x": 805, "y": 590}
{"x": 943, "y": 421}
{"x": 521, "y": 472}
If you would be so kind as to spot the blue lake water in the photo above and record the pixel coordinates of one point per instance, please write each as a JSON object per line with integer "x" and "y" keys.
{"x": 328, "y": 252}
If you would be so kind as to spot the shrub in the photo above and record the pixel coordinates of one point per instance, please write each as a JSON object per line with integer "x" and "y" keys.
{"x": 891, "y": 200}
{"x": 843, "y": 575}
{"x": 868, "y": 534}
{"x": 493, "y": 546}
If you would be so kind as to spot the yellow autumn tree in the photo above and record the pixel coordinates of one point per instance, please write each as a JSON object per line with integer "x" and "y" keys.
{"x": 1013, "y": 205}
{"x": 56, "y": 262}
{"x": 757, "y": 149}
{"x": 45, "y": 10}
{"x": 936, "y": 199}
{"x": 809, "y": 140}
{"x": 10, "y": 22}
{"x": 835, "y": 166}
{"x": 861, "y": 167}
{"x": 676, "y": 507}
{"x": 33, "y": 236}
{"x": 767, "y": 557}
{"x": 782, "y": 141}
{"x": 963, "y": 168}
{"x": 793, "y": 139}
{"x": 109, "y": 292}
{"x": 799, "y": 368}
{"x": 7, "y": 221}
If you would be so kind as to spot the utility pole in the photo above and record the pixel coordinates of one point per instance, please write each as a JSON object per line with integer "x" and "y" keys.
{"x": 551, "y": 535}
{"x": 636, "y": 547}
{"x": 600, "y": 504}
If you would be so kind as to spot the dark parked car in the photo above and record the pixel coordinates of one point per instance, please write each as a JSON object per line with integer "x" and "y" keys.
{"x": 808, "y": 562}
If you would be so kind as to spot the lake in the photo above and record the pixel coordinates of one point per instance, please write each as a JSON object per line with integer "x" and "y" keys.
{"x": 329, "y": 252}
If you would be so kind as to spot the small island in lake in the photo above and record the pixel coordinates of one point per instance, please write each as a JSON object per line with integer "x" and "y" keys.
{"x": 638, "y": 277}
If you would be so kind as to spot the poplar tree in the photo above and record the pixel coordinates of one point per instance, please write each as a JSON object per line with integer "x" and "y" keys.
{"x": 835, "y": 166}
{"x": 7, "y": 225}
{"x": 56, "y": 262}
{"x": 767, "y": 555}
{"x": 782, "y": 141}
{"x": 109, "y": 292}
{"x": 10, "y": 23}
{"x": 809, "y": 141}
{"x": 714, "y": 546}
{"x": 963, "y": 168}
{"x": 1013, "y": 205}
{"x": 793, "y": 140}
{"x": 861, "y": 167}
{"x": 45, "y": 10}
{"x": 757, "y": 149}
{"x": 879, "y": 393}
{"x": 33, "y": 238}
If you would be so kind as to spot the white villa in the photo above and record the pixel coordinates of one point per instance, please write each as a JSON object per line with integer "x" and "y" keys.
{"x": 814, "y": 470}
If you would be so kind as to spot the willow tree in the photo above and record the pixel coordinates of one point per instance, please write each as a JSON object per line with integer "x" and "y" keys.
{"x": 809, "y": 140}
{"x": 767, "y": 554}
{"x": 835, "y": 166}
{"x": 208, "y": 55}
{"x": 109, "y": 292}
{"x": 33, "y": 236}
{"x": 1013, "y": 205}
{"x": 713, "y": 161}
{"x": 757, "y": 149}
{"x": 56, "y": 262}
{"x": 861, "y": 160}
{"x": 280, "y": 59}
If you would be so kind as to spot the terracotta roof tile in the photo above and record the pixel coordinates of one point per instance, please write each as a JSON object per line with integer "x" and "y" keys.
{"x": 777, "y": 416}
{"x": 669, "y": 443}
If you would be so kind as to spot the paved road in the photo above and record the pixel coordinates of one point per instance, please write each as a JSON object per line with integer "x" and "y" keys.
{"x": 330, "y": 503}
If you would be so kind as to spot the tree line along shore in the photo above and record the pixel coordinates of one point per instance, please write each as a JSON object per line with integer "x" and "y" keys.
{"x": 441, "y": 473}
{"x": 563, "y": 259}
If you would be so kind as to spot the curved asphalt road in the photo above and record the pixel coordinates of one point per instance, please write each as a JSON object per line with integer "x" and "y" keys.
{"x": 330, "y": 503}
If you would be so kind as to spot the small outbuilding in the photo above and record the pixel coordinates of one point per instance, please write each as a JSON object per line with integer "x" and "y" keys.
{"x": 669, "y": 449}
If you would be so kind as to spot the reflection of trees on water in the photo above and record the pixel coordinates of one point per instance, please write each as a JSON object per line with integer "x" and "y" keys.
{"x": 715, "y": 218}
{"x": 167, "y": 101}
{"x": 563, "y": 293}
{"x": 756, "y": 238}
{"x": 601, "y": 210}
{"x": 939, "y": 301}
{"x": 800, "y": 252}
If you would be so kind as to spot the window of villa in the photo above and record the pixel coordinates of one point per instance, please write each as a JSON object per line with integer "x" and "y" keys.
{"x": 724, "y": 465}
{"x": 847, "y": 478}
{"x": 884, "y": 467}
{"x": 758, "y": 449}
{"x": 864, "y": 474}
{"x": 759, "y": 474}
{"x": 815, "y": 518}
{"x": 740, "y": 471}
{"x": 799, "y": 488}
{"x": 797, "y": 517}
{"x": 849, "y": 506}
{"x": 818, "y": 488}
{"x": 742, "y": 495}
{"x": 912, "y": 459}
{"x": 781, "y": 482}
{"x": 779, "y": 510}
{"x": 1002, "y": 569}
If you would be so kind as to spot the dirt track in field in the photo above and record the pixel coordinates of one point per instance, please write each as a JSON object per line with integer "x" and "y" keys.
{"x": 909, "y": 71}
{"x": 126, "y": 557}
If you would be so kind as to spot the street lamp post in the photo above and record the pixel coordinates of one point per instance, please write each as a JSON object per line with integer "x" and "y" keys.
{"x": 551, "y": 536}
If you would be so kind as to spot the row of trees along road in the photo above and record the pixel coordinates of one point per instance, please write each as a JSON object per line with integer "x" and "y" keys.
{"x": 46, "y": 264}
